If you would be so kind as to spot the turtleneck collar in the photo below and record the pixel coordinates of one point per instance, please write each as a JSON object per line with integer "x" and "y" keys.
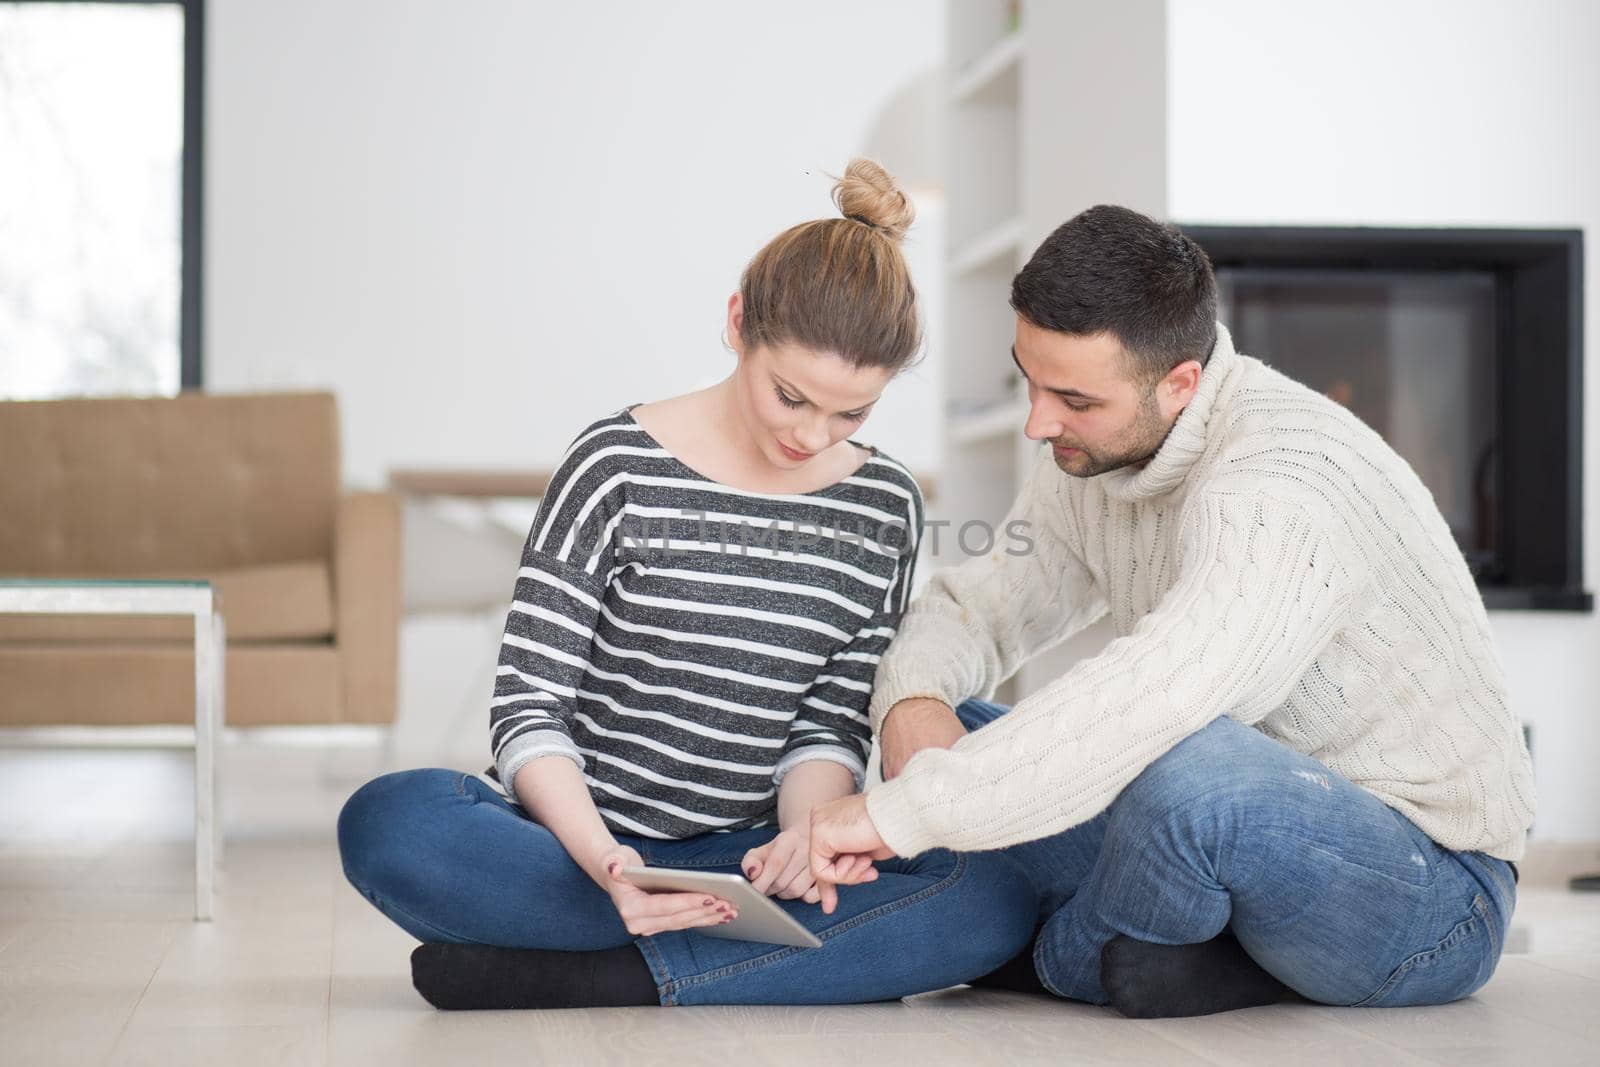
{"x": 1187, "y": 439}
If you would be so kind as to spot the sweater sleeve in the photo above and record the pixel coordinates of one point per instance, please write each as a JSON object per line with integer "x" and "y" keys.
{"x": 555, "y": 603}
{"x": 1261, "y": 593}
{"x": 977, "y": 623}
{"x": 833, "y": 723}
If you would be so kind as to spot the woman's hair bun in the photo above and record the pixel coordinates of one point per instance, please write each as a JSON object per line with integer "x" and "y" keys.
{"x": 869, "y": 193}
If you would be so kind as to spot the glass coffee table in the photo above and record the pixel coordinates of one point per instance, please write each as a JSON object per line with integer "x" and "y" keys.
{"x": 196, "y": 599}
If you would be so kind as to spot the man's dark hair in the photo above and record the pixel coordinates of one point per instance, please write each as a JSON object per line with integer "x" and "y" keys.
{"x": 1112, "y": 269}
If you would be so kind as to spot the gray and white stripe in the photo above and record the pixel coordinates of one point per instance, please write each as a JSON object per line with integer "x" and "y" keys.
{"x": 686, "y": 667}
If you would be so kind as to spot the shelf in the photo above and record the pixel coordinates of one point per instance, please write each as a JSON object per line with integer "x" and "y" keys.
{"x": 992, "y": 75}
{"x": 1002, "y": 420}
{"x": 999, "y": 246}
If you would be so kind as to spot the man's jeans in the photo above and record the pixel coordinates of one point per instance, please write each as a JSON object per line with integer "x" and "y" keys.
{"x": 448, "y": 859}
{"x": 1331, "y": 891}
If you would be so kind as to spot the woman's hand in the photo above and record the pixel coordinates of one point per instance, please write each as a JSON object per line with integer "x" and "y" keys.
{"x": 782, "y": 867}
{"x": 843, "y": 845}
{"x": 645, "y": 913}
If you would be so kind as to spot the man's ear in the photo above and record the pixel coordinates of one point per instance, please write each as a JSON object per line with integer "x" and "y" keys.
{"x": 1178, "y": 387}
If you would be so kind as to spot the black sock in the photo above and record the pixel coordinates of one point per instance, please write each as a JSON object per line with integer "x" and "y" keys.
{"x": 1147, "y": 981}
{"x": 1016, "y": 974}
{"x": 463, "y": 977}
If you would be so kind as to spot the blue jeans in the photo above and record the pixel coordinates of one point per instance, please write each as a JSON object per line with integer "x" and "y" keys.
{"x": 1334, "y": 893}
{"x": 448, "y": 859}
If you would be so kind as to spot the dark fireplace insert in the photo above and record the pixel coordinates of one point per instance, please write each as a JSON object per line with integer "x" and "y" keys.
{"x": 1463, "y": 348}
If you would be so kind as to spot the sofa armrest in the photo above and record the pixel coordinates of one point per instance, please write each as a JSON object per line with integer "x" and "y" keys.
{"x": 366, "y": 587}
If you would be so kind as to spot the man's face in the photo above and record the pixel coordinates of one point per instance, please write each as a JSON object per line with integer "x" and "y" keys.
{"x": 1085, "y": 399}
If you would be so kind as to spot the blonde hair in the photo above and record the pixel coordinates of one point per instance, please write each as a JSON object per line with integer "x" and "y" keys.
{"x": 840, "y": 285}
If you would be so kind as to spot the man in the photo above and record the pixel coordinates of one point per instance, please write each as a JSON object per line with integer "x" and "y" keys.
{"x": 1295, "y": 767}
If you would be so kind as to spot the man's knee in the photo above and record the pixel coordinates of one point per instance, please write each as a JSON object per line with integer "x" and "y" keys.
{"x": 1205, "y": 779}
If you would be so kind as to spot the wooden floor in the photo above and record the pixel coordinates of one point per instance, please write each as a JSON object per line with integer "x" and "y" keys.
{"x": 99, "y": 962}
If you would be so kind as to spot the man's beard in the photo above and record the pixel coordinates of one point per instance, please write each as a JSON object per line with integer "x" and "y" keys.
{"x": 1133, "y": 445}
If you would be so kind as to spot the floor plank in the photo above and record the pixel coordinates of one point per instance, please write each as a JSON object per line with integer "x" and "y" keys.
{"x": 210, "y": 1046}
{"x": 1489, "y": 1027}
{"x": 68, "y": 988}
{"x": 1263, "y": 1035}
{"x": 1583, "y": 966}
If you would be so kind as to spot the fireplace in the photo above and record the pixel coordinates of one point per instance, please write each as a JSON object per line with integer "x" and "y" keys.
{"x": 1463, "y": 348}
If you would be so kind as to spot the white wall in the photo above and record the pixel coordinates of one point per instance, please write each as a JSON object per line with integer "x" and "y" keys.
{"x": 485, "y": 224}
{"x": 1403, "y": 112}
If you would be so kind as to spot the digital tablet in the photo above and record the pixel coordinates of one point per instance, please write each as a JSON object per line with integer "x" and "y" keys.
{"x": 760, "y": 918}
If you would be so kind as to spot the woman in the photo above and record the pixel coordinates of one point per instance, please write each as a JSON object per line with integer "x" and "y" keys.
{"x": 684, "y": 675}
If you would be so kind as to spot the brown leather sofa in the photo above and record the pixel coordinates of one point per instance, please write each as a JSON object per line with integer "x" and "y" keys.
{"x": 242, "y": 490}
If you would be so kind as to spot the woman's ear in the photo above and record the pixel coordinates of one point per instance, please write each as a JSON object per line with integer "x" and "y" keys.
{"x": 731, "y": 333}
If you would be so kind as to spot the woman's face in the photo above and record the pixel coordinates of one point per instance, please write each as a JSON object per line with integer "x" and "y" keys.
{"x": 797, "y": 402}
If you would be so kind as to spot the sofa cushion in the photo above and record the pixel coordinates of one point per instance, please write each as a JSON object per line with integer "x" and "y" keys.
{"x": 271, "y": 602}
{"x": 141, "y": 684}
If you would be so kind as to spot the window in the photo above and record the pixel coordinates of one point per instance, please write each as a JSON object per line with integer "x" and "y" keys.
{"x": 99, "y": 198}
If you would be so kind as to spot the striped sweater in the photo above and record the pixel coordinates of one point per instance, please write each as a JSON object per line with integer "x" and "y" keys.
{"x": 687, "y": 643}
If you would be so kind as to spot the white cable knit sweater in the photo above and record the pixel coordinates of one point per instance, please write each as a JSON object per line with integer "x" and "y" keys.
{"x": 1276, "y": 562}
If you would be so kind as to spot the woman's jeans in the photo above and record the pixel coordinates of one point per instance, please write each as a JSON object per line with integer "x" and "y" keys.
{"x": 449, "y": 859}
{"x": 1330, "y": 890}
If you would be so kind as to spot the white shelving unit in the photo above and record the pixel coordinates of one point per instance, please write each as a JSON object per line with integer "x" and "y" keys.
{"x": 983, "y": 414}
{"x": 1051, "y": 106}
{"x": 991, "y": 73}
{"x": 1000, "y": 245}
{"x": 1001, "y": 419}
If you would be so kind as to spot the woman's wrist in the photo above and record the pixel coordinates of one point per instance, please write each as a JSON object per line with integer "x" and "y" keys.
{"x": 794, "y": 815}
{"x": 591, "y": 856}
{"x": 810, "y": 784}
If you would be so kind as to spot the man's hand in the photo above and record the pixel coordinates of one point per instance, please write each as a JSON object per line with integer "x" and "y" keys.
{"x": 913, "y": 725}
{"x": 843, "y": 845}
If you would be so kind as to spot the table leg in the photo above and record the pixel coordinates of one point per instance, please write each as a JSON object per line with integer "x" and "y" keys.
{"x": 205, "y": 697}
{"x": 219, "y": 719}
